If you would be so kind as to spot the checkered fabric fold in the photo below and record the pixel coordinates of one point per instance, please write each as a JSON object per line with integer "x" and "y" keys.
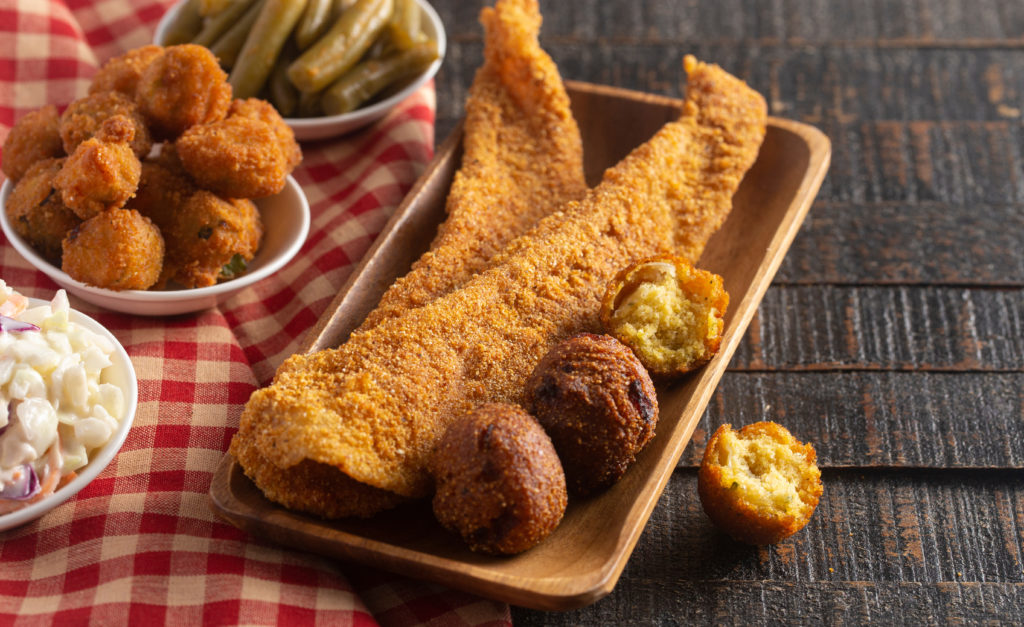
{"x": 140, "y": 543}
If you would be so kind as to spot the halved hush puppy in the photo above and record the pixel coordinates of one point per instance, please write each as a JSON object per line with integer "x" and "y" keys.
{"x": 668, "y": 312}
{"x": 759, "y": 484}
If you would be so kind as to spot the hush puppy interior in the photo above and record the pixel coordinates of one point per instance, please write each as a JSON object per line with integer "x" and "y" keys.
{"x": 598, "y": 405}
{"x": 35, "y": 136}
{"x": 668, "y": 312}
{"x": 759, "y": 484}
{"x": 498, "y": 480}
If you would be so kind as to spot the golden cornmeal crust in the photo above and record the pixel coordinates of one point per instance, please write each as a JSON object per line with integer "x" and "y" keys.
{"x": 759, "y": 484}
{"x": 499, "y": 481}
{"x": 180, "y": 88}
{"x": 103, "y": 172}
{"x": 668, "y": 312}
{"x": 522, "y": 160}
{"x": 598, "y": 404}
{"x": 118, "y": 249}
{"x": 36, "y": 212}
{"x": 239, "y": 157}
{"x": 122, "y": 73}
{"x": 375, "y": 407}
{"x": 83, "y": 118}
{"x": 34, "y": 137}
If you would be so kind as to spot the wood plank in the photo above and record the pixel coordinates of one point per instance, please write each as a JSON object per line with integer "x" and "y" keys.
{"x": 872, "y": 543}
{"x": 777, "y": 603}
{"x": 836, "y": 327}
{"x": 903, "y": 243}
{"x": 812, "y": 83}
{"x": 922, "y": 22}
{"x": 879, "y": 419}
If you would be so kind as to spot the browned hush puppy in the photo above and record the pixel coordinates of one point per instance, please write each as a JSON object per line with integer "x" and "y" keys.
{"x": 374, "y": 408}
{"x": 103, "y": 172}
{"x": 263, "y": 111}
{"x": 598, "y": 404}
{"x": 36, "y": 212}
{"x": 118, "y": 249}
{"x": 181, "y": 88}
{"x": 34, "y": 137}
{"x": 668, "y": 312}
{"x": 83, "y": 117}
{"x": 759, "y": 484}
{"x": 122, "y": 73}
{"x": 499, "y": 483}
{"x": 238, "y": 157}
{"x": 211, "y": 238}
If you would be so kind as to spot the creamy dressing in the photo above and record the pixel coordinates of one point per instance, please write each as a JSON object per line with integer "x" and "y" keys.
{"x": 55, "y": 410}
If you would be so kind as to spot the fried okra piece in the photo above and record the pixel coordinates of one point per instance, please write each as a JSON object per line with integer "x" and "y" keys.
{"x": 103, "y": 172}
{"x": 83, "y": 118}
{"x": 181, "y": 88}
{"x": 668, "y": 312}
{"x": 35, "y": 211}
{"x": 263, "y": 111}
{"x": 759, "y": 484}
{"x": 498, "y": 480}
{"x": 162, "y": 192}
{"x": 119, "y": 249}
{"x": 238, "y": 158}
{"x": 36, "y": 136}
{"x": 598, "y": 404}
{"x": 122, "y": 73}
{"x": 211, "y": 239}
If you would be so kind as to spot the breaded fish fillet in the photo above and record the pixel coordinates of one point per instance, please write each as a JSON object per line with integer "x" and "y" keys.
{"x": 374, "y": 407}
{"x": 522, "y": 160}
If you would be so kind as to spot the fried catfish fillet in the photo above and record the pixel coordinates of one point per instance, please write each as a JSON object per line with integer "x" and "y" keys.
{"x": 523, "y": 159}
{"x": 372, "y": 409}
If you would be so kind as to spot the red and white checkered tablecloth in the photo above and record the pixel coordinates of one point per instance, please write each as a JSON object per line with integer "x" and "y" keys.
{"x": 140, "y": 543}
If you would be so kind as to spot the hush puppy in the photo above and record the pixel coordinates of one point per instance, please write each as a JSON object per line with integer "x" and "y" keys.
{"x": 36, "y": 212}
{"x": 599, "y": 406}
{"x": 103, "y": 172}
{"x": 161, "y": 193}
{"x": 181, "y": 88}
{"x": 211, "y": 239}
{"x": 499, "y": 483}
{"x": 122, "y": 73}
{"x": 118, "y": 249}
{"x": 83, "y": 118}
{"x": 668, "y": 312}
{"x": 263, "y": 111}
{"x": 238, "y": 157}
{"x": 36, "y": 136}
{"x": 759, "y": 484}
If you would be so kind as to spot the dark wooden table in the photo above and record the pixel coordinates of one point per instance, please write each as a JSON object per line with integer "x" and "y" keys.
{"x": 893, "y": 335}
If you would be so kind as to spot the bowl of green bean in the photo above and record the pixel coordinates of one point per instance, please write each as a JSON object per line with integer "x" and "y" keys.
{"x": 328, "y": 66}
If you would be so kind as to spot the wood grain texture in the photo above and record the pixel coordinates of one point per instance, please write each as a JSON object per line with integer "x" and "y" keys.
{"x": 889, "y": 419}
{"x": 873, "y": 542}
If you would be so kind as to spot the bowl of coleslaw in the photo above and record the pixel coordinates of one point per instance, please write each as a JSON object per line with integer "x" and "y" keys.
{"x": 68, "y": 395}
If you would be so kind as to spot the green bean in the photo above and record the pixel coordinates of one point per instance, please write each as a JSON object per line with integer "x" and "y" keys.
{"x": 315, "y": 20}
{"x": 209, "y": 8}
{"x": 283, "y": 94}
{"x": 404, "y": 25}
{"x": 185, "y": 24}
{"x": 218, "y": 24}
{"x": 226, "y": 48}
{"x": 309, "y": 105}
{"x": 369, "y": 77}
{"x": 255, "y": 61}
{"x": 341, "y": 47}
{"x": 381, "y": 47}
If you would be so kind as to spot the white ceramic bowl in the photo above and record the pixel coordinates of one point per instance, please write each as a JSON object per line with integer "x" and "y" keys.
{"x": 333, "y": 125}
{"x": 120, "y": 373}
{"x": 285, "y": 224}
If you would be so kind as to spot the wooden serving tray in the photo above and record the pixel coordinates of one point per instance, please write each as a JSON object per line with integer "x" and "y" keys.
{"x": 582, "y": 560}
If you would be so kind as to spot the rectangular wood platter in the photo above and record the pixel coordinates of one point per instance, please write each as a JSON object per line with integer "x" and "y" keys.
{"x": 582, "y": 560}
